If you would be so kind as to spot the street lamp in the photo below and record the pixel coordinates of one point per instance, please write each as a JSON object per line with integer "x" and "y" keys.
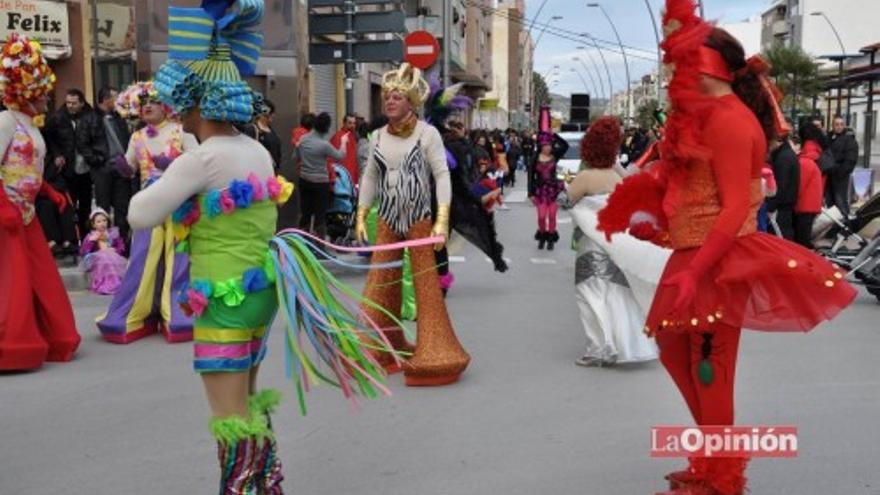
{"x": 625, "y": 58}
{"x": 840, "y": 41}
{"x": 549, "y": 72}
{"x": 659, "y": 54}
{"x": 592, "y": 79}
{"x": 541, "y": 34}
{"x": 604, "y": 63}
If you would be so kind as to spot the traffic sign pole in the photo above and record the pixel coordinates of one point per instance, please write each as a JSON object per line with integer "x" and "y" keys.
{"x": 349, "y": 56}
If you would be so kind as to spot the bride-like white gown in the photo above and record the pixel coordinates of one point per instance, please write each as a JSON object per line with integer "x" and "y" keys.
{"x": 614, "y": 286}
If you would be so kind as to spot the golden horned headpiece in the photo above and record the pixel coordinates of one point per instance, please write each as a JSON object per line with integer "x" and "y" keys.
{"x": 408, "y": 81}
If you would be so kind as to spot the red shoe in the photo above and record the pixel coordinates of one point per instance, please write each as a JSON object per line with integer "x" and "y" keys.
{"x": 680, "y": 479}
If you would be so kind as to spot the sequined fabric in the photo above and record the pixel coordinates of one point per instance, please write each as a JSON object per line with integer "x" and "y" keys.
{"x": 22, "y": 172}
{"x": 597, "y": 264}
{"x": 699, "y": 205}
{"x": 438, "y": 352}
{"x": 237, "y": 466}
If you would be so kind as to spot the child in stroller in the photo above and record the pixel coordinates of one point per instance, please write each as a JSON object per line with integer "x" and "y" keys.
{"x": 340, "y": 215}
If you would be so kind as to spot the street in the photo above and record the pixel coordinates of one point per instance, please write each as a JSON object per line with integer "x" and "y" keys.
{"x": 524, "y": 420}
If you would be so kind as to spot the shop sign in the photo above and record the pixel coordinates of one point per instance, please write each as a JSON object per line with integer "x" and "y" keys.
{"x": 46, "y": 22}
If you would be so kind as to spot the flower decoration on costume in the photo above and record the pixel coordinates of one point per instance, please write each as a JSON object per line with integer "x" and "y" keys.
{"x": 210, "y": 48}
{"x": 242, "y": 193}
{"x": 130, "y": 103}
{"x": 256, "y": 187}
{"x": 25, "y": 75}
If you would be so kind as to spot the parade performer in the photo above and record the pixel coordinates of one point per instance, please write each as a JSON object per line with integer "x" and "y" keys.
{"x": 36, "y": 318}
{"x": 407, "y": 154}
{"x": 144, "y": 303}
{"x": 614, "y": 283}
{"x": 702, "y": 201}
{"x": 102, "y": 251}
{"x": 223, "y": 198}
{"x": 544, "y": 185}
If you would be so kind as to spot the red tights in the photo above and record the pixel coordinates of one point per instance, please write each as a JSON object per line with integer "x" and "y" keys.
{"x": 681, "y": 353}
{"x": 547, "y": 216}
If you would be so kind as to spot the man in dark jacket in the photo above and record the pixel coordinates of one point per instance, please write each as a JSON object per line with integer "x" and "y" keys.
{"x": 113, "y": 191}
{"x": 786, "y": 171}
{"x": 845, "y": 149}
{"x": 76, "y": 145}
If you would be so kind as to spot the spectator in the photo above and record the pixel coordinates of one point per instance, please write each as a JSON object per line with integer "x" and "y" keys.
{"x": 348, "y": 129}
{"x": 306, "y": 124}
{"x": 786, "y": 170}
{"x": 261, "y": 130}
{"x": 112, "y": 191}
{"x": 58, "y": 227}
{"x": 314, "y": 151}
{"x": 77, "y": 145}
{"x": 845, "y": 149}
{"x": 809, "y": 202}
{"x": 363, "y": 145}
{"x": 514, "y": 154}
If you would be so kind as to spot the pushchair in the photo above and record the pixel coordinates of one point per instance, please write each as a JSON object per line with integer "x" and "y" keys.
{"x": 852, "y": 243}
{"x": 340, "y": 215}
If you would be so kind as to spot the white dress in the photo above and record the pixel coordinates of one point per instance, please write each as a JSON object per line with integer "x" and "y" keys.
{"x": 614, "y": 286}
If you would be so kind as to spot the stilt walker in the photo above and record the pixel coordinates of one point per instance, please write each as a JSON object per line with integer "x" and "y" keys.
{"x": 144, "y": 303}
{"x": 702, "y": 200}
{"x": 408, "y": 154}
{"x": 36, "y": 318}
{"x": 223, "y": 198}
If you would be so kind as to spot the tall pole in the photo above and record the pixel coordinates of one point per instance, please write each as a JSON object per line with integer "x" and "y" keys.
{"x": 840, "y": 63}
{"x": 592, "y": 79}
{"x": 604, "y": 63}
{"x": 595, "y": 68}
{"x": 625, "y": 59}
{"x": 350, "y": 10}
{"x": 544, "y": 30}
{"x": 840, "y": 86}
{"x": 583, "y": 81}
{"x": 537, "y": 14}
{"x": 659, "y": 53}
{"x": 447, "y": 33}
{"x": 869, "y": 116}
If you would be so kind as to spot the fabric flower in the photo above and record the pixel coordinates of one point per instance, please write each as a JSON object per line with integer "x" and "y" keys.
{"x": 256, "y": 187}
{"x": 197, "y": 302}
{"x": 273, "y": 187}
{"x": 212, "y": 203}
{"x": 194, "y": 214}
{"x": 230, "y": 292}
{"x": 152, "y": 131}
{"x": 286, "y": 191}
{"x": 254, "y": 280}
{"x": 182, "y": 211}
{"x": 242, "y": 193}
{"x": 181, "y": 231}
{"x": 203, "y": 286}
{"x": 227, "y": 204}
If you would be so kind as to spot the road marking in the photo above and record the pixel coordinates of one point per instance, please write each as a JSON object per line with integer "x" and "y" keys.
{"x": 543, "y": 261}
{"x": 457, "y": 259}
{"x": 564, "y": 220}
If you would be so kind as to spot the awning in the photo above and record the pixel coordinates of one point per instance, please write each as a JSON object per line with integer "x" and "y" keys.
{"x": 57, "y": 52}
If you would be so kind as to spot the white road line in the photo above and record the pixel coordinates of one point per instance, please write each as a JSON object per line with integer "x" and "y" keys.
{"x": 457, "y": 259}
{"x": 564, "y": 220}
{"x": 543, "y": 261}
{"x": 506, "y": 260}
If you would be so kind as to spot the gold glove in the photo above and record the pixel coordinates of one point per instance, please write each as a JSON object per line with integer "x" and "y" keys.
{"x": 360, "y": 226}
{"x": 441, "y": 226}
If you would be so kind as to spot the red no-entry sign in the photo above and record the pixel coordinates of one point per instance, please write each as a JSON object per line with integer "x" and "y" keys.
{"x": 421, "y": 49}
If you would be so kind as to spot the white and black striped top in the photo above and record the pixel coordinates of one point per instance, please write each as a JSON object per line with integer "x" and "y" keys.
{"x": 399, "y": 174}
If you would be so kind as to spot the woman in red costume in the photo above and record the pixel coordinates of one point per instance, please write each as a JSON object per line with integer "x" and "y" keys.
{"x": 722, "y": 275}
{"x": 36, "y": 319}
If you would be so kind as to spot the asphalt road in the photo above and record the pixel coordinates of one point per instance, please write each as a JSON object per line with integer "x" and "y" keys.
{"x": 524, "y": 420}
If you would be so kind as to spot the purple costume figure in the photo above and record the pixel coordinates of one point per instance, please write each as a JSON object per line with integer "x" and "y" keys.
{"x": 102, "y": 252}
{"x": 144, "y": 303}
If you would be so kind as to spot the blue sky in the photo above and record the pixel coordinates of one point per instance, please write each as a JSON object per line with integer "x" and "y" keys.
{"x": 634, "y": 25}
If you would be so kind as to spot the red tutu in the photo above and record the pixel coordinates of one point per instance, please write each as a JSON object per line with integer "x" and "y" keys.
{"x": 762, "y": 283}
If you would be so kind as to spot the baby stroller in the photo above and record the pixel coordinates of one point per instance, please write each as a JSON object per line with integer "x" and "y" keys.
{"x": 852, "y": 243}
{"x": 340, "y": 215}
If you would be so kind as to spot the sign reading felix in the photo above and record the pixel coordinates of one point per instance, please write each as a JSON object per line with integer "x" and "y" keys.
{"x": 42, "y": 21}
